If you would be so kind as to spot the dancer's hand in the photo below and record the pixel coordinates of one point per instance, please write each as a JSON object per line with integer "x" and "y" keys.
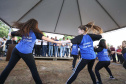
{"x": 67, "y": 41}
{"x": 102, "y": 35}
{"x": 58, "y": 42}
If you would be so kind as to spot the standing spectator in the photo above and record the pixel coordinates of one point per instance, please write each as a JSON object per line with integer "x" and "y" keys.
{"x": 113, "y": 53}
{"x": 38, "y": 47}
{"x": 56, "y": 48}
{"x": 109, "y": 53}
{"x": 44, "y": 48}
{"x": 62, "y": 48}
{"x": 4, "y": 46}
{"x": 47, "y": 47}
{"x": 51, "y": 48}
{"x": 67, "y": 48}
{"x": 119, "y": 54}
{"x": 12, "y": 41}
{"x": 0, "y": 48}
{"x": 59, "y": 46}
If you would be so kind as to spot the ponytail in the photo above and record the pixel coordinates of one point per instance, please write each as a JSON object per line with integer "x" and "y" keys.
{"x": 91, "y": 28}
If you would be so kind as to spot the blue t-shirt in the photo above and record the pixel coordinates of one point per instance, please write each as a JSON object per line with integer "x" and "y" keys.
{"x": 103, "y": 55}
{"x": 86, "y": 48}
{"x": 74, "y": 49}
{"x": 85, "y": 42}
{"x": 27, "y": 43}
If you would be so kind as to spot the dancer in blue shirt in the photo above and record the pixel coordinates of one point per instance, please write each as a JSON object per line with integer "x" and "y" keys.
{"x": 74, "y": 53}
{"x": 29, "y": 32}
{"x": 104, "y": 60}
{"x": 85, "y": 42}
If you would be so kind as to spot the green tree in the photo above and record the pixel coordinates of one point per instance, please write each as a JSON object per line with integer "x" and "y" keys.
{"x": 69, "y": 37}
{"x": 44, "y": 33}
{"x": 4, "y": 29}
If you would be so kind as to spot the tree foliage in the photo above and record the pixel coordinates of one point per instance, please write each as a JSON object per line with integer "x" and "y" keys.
{"x": 69, "y": 37}
{"x": 4, "y": 29}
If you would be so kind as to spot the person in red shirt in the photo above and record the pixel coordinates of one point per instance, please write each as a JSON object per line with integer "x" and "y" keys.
{"x": 119, "y": 54}
{"x": 113, "y": 53}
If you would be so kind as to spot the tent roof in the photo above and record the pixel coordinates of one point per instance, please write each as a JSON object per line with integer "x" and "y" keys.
{"x": 64, "y": 16}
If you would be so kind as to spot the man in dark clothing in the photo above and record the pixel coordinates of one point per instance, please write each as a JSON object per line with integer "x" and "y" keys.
{"x": 12, "y": 41}
{"x": 113, "y": 53}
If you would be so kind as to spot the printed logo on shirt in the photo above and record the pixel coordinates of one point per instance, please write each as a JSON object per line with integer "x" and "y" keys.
{"x": 85, "y": 45}
{"x": 28, "y": 39}
{"x": 105, "y": 53}
{"x": 74, "y": 47}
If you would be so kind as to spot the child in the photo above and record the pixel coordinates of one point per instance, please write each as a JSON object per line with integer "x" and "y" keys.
{"x": 85, "y": 42}
{"x": 74, "y": 53}
{"x": 104, "y": 60}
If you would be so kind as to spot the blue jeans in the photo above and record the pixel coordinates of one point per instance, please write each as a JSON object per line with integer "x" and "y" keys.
{"x": 44, "y": 49}
{"x": 56, "y": 50}
{"x": 62, "y": 51}
{"x": 67, "y": 51}
{"x": 50, "y": 50}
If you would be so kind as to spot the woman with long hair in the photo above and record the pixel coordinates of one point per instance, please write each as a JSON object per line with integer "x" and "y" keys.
{"x": 88, "y": 34}
{"x": 104, "y": 60}
{"x": 29, "y": 32}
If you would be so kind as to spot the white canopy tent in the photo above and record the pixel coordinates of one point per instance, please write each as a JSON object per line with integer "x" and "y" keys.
{"x": 64, "y": 16}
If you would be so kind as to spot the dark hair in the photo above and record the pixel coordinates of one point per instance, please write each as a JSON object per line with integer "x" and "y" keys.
{"x": 4, "y": 38}
{"x": 102, "y": 43}
{"x": 91, "y": 27}
{"x": 24, "y": 28}
{"x": 19, "y": 40}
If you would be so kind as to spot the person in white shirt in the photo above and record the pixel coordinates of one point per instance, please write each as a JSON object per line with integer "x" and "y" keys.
{"x": 62, "y": 48}
{"x": 44, "y": 48}
{"x": 4, "y": 46}
{"x": 38, "y": 47}
{"x": 67, "y": 48}
{"x": 56, "y": 46}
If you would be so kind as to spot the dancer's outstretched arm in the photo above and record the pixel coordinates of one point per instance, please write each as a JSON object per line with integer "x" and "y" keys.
{"x": 77, "y": 39}
{"x": 50, "y": 40}
{"x": 43, "y": 37}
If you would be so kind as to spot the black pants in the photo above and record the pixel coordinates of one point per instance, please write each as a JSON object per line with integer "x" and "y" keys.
{"x": 99, "y": 66}
{"x": 124, "y": 64}
{"x": 82, "y": 63}
{"x": 1, "y": 51}
{"x": 15, "y": 57}
{"x": 113, "y": 57}
{"x": 38, "y": 50}
{"x": 74, "y": 60}
{"x": 121, "y": 60}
